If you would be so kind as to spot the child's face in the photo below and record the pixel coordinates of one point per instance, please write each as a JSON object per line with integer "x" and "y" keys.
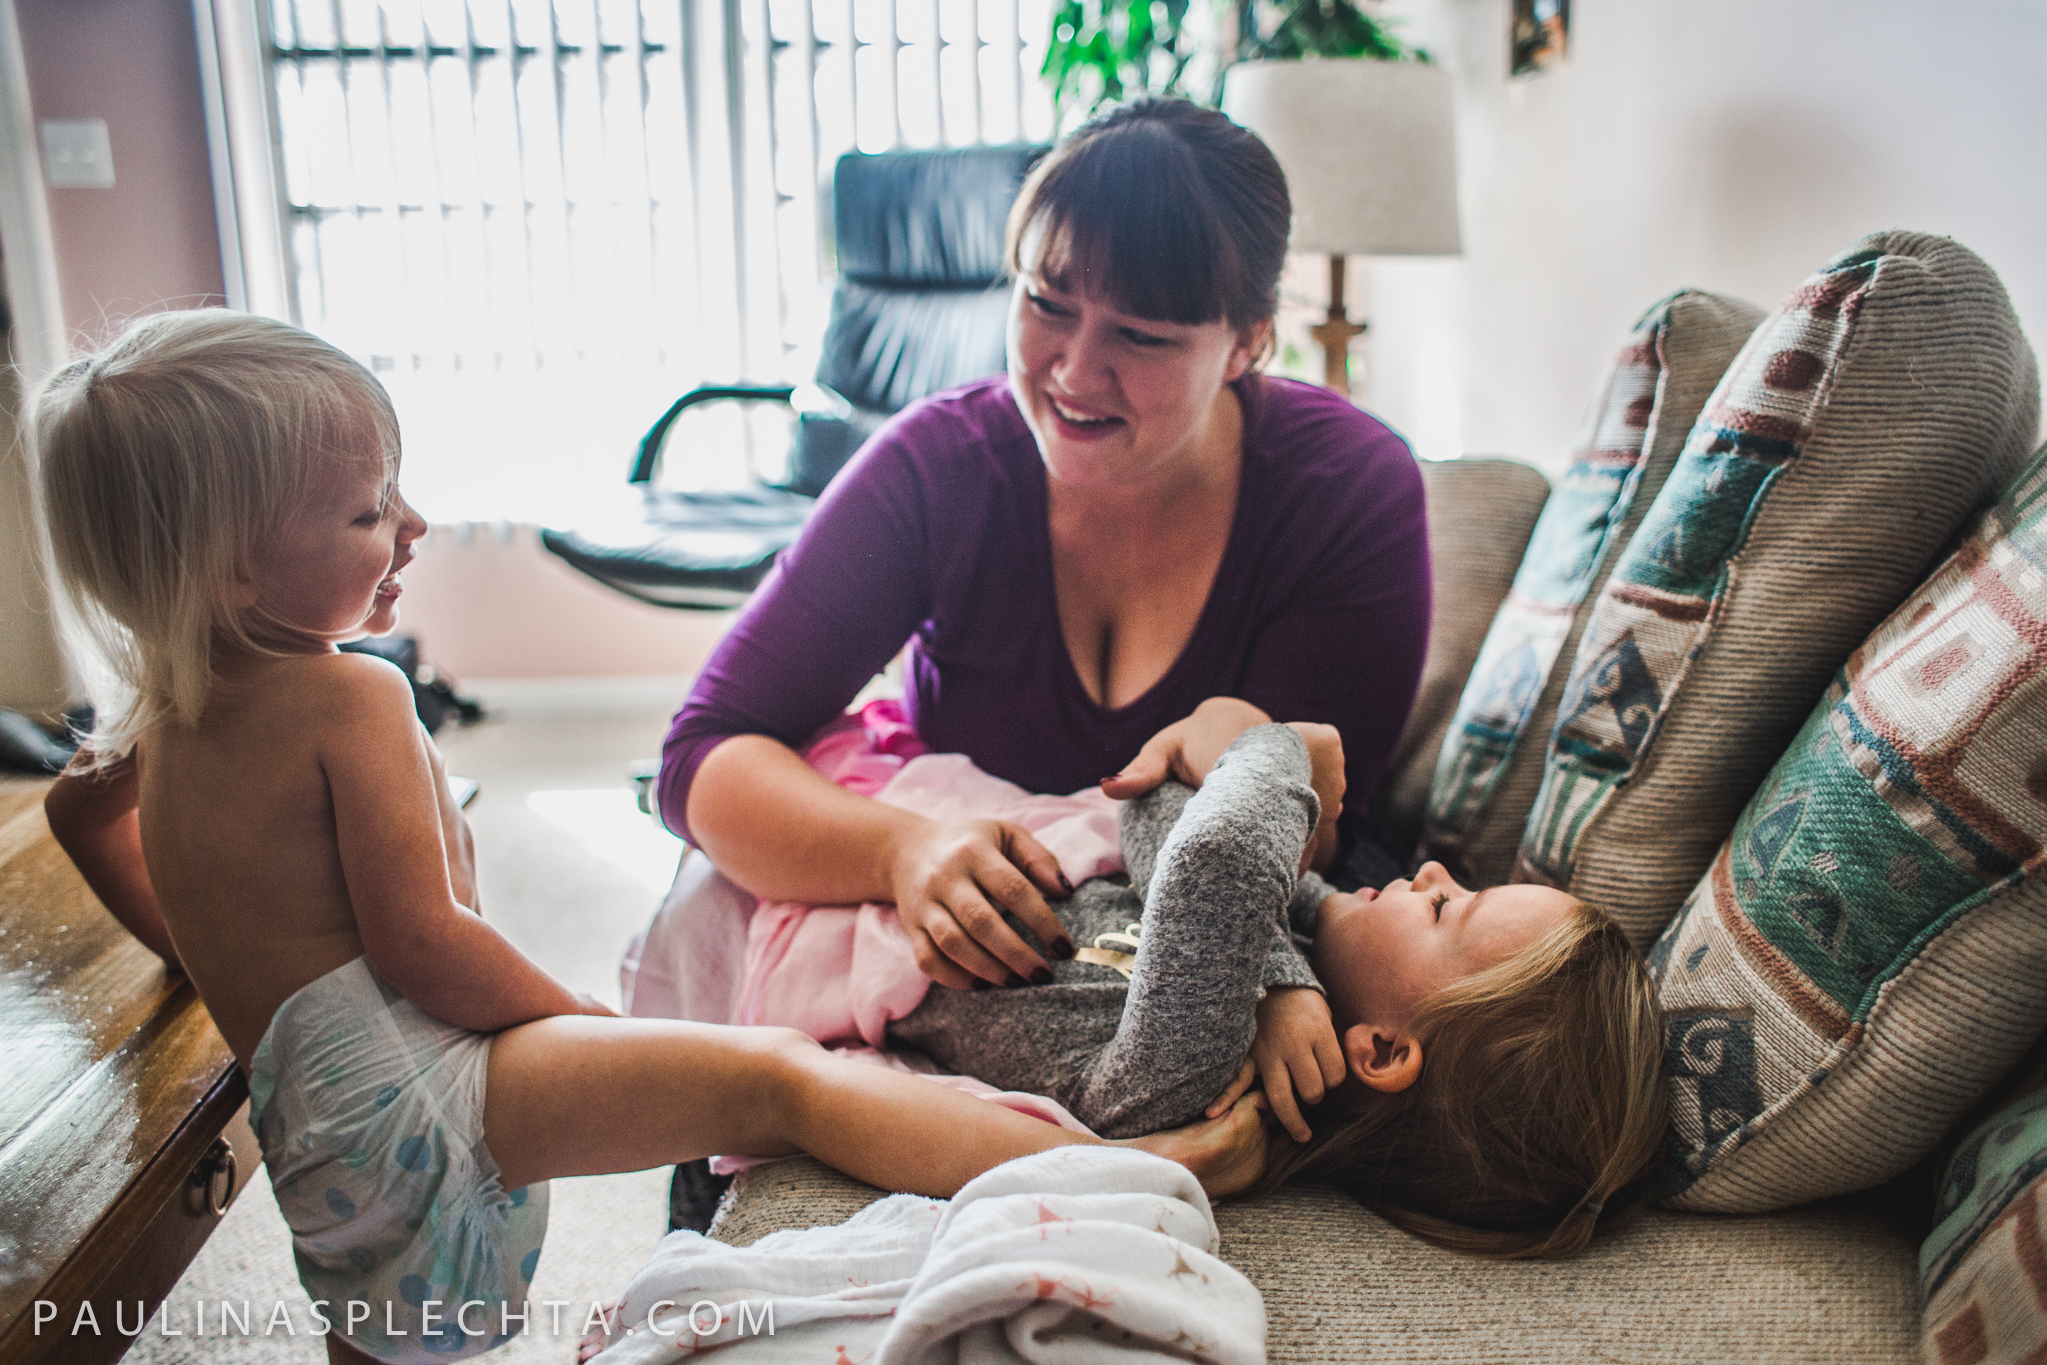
{"x": 1379, "y": 956}
{"x": 331, "y": 571}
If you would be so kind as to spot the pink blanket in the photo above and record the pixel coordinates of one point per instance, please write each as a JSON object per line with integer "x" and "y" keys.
{"x": 844, "y": 972}
{"x": 841, "y": 973}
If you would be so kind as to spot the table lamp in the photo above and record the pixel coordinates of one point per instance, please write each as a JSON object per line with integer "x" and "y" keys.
{"x": 1369, "y": 157}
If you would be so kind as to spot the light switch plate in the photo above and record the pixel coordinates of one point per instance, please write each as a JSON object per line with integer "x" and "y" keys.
{"x": 77, "y": 154}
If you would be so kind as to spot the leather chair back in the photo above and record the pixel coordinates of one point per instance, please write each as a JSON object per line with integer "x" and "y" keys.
{"x": 922, "y": 299}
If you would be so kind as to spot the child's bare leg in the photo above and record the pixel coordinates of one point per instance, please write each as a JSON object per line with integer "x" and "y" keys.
{"x": 580, "y": 1095}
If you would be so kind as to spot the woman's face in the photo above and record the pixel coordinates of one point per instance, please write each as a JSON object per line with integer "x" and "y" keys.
{"x": 1114, "y": 400}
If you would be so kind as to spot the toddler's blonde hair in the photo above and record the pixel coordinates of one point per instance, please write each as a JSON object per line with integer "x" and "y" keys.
{"x": 163, "y": 462}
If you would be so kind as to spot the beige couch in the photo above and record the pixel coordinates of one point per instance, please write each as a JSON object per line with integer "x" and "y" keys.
{"x": 1832, "y": 1282}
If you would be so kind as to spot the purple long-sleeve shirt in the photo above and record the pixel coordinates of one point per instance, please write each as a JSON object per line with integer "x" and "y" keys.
{"x": 936, "y": 534}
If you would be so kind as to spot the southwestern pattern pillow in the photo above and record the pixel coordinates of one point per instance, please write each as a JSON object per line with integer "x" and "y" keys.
{"x": 1859, "y": 427}
{"x": 1983, "y": 1272}
{"x": 1868, "y": 952}
{"x": 1485, "y": 778}
{"x": 1481, "y": 513}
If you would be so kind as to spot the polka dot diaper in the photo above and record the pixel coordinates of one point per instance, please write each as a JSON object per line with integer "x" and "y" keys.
{"x": 370, "y": 1113}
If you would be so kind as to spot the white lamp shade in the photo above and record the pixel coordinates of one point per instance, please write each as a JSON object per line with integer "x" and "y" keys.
{"x": 1367, "y": 148}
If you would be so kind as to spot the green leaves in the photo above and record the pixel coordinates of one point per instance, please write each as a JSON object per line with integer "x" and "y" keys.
{"x": 1282, "y": 29}
{"x": 1102, "y": 52}
{"x": 1105, "y": 51}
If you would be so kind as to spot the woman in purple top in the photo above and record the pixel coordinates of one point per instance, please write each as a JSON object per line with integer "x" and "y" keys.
{"x": 1079, "y": 553}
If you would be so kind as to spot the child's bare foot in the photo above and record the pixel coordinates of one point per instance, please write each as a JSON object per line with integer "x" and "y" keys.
{"x": 1227, "y": 1154}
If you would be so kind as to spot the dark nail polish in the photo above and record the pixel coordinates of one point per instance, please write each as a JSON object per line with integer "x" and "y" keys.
{"x": 1014, "y": 981}
{"x": 981, "y": 985}
{"x": 1041, "y": 976}
{"x": 1063, "y": 949}
{"x": 1065, "y": 885}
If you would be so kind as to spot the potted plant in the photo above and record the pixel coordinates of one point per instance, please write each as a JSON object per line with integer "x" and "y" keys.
{"x": 1103, "y": 51}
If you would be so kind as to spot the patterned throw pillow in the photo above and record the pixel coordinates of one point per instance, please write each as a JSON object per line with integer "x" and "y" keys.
{"x": 1868, "y": 952}
{"x": 1983, "y": 1272}
{"x": 1855, "y": 433}
{"x": 1481, "y": 513}
{"x": 1485, "y": 779}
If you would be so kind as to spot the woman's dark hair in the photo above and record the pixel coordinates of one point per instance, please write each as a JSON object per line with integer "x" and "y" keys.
{"x": 1168, "y": 210}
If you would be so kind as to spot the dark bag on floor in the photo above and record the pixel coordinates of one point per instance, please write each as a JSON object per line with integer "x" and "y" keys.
{"x": 432, "y": 693}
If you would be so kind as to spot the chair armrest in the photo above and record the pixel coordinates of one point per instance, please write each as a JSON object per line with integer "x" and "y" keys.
{"x": 650, "y": 444}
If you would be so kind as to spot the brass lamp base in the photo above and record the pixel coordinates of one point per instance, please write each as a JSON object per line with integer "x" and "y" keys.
{"x": 1336, "y": 332}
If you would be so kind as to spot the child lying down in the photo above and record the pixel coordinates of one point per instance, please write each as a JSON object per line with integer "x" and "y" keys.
{"x": 266, "y": 812}
{"x": 1484, "y": 1069}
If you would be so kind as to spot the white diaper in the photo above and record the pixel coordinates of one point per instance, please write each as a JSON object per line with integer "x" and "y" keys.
{"x": 370, "y": 1113}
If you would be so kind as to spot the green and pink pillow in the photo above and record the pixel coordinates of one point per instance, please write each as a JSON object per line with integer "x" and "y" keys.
{"x": 1859, "y": 428}
{"x": 1867, "y": 954}
{"x": 1491, "y": 760}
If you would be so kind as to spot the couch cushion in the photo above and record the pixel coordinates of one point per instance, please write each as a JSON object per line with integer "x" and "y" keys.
{"x": 1827, "y": 1284}
{"x": 1481, "y": 513}
{"x": 1983, "y": 1272}
{"x": 1859, "y": 427}
{"x": 1485, "y": 778}
{"x": 1868, "y": 952}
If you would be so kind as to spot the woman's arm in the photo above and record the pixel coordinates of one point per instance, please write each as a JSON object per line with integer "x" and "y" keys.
{"x": 94, "y": 815}
{"x": 780, "y": 829}
{"x": 838, "y": 605}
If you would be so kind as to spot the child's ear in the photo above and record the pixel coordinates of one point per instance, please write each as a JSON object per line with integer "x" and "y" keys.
{"x": 1387, "y": 1060}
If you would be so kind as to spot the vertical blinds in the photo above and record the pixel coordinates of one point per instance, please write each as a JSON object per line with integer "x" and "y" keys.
{"x": 598, "y": 188}
{"x": 484, "y": 182}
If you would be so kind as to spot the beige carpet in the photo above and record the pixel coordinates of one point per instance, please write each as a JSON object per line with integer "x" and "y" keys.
{"x": 569, "y": 872}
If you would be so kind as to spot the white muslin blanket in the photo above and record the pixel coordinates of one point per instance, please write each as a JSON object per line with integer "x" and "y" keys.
{"x": 1074, "y": 1255}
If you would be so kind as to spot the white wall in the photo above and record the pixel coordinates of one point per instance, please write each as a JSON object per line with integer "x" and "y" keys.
{"x": 1731, "y": 145}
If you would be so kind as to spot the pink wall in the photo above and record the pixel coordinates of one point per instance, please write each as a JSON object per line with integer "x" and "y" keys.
{"x": 488, "y": 605}
{"x": 150, "y": 242}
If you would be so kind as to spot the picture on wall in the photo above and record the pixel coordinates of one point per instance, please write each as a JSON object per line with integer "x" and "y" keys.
{"x": 1541, "y": 31}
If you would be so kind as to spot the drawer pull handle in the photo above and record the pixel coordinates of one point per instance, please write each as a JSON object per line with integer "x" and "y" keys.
{"x": 219, "y": 1160}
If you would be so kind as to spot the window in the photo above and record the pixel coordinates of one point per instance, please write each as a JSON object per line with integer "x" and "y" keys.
{"x": 540, "y": 220}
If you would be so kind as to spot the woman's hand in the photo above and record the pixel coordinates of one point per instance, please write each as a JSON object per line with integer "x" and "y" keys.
{"x": 952, "y": 885}
{"x": 1295, "y": 1054}
{"x": 1186, "y": 749}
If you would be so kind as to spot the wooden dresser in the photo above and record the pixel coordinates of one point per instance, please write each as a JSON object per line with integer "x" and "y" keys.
{"x": 123, "y": 1134}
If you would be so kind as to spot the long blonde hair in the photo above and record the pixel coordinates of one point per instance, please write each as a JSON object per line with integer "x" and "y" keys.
{"x": 162, "y": 463}
{"x": 1540, "y": 1109}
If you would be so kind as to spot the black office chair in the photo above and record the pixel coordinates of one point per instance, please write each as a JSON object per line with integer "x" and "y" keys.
{"x": 920, "y": 307}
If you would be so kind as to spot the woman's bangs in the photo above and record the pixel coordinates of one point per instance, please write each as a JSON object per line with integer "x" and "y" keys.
{"x": 1158, "y": 253}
